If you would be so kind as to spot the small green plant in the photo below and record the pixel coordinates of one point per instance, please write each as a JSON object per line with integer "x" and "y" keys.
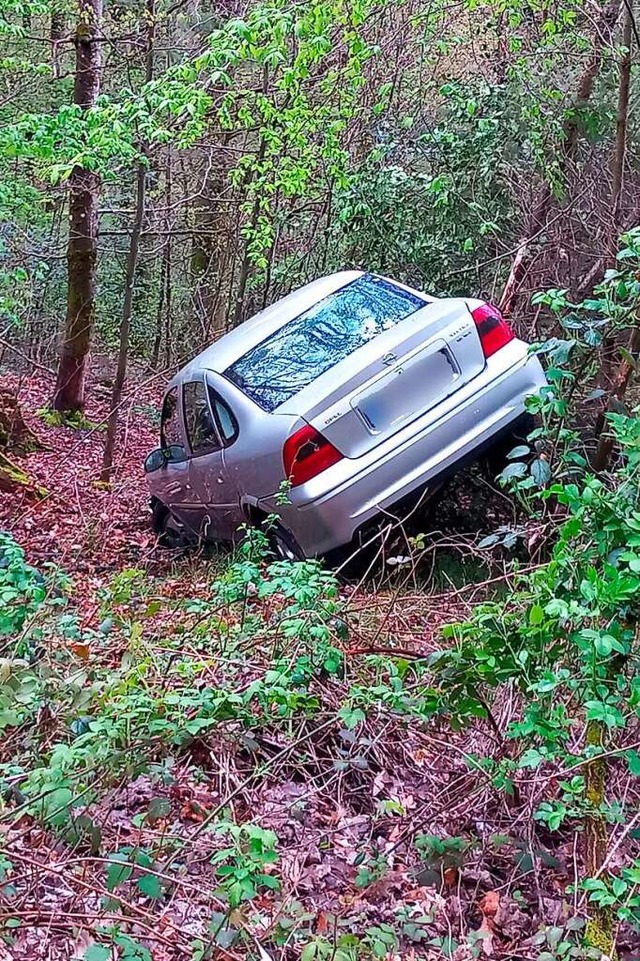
{"x": 370, "y": 869}
{"x": 567, "y": 635}
{"x": 381, "y": 940}
{"x": 346, "y": 947}
{"x": 564, "y": 942}
{"x": 129, "y": 861}
{"x": 243, "y": 865}
{"x": 22, "y": 588}
{"x": 620, "y": 893}
{"x": 74, "y": 419}
{"x": 127, "y": 948}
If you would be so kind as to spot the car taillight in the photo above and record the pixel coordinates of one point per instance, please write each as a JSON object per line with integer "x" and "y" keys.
{"x": 306, "y": 454}
{"x": 493, "y": 329}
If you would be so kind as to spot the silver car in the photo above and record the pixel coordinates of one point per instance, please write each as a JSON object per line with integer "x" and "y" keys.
{"x": 354, "y": 393}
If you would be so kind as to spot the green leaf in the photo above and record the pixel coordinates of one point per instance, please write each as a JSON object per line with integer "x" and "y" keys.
{"x": 536, "y": 615}
{"x": 531, "y": 758}
{"x": 619, "y": 887}
{"x": 159, "y": 808}
{"x": 513, "y": 470}
{"x": 352, "y": 716}
{"x": 97, "y": 952}
{"x": 540, "y": 471}
{"x": 118, "y": 871}
{"x": 633, "y": 760}
{"x": 150, "y": 885}
{"x": 488, "y": 541}
{"x": 517, "y": 452}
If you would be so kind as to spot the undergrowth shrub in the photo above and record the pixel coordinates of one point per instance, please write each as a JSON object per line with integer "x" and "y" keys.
{"x": 566, "y": 640}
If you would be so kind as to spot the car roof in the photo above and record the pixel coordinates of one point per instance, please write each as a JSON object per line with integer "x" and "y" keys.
{"x": 229, "y": 348}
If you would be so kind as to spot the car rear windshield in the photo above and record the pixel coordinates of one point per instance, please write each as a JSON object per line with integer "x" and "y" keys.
{"x": 292, "y": 357}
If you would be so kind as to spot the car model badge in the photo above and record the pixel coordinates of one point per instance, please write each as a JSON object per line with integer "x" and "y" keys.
{"x": 389, "y": 359}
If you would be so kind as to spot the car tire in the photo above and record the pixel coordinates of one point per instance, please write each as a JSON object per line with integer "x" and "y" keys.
{"x": 284, "y": 545}
{"x": 169, "y": 530}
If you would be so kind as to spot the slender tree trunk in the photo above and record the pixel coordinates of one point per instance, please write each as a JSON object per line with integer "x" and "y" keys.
{"x": 56, "y": 34}
{"x": 599, "y": 928}
{"x": 627, "y": 366}
{"x": 164, "y": 299}
{"x": 622, "y": 118}
{"x": 618, "y": 384}
{"x": 168, "y": 354}
{"x": 132, "y": 262}
{"x": 157, "y": 342}
{"x": 82, "y": 247}
{"x": 207, "y": 254}
{"x": 125, "y": 326}
{"x": 603, "y": 35}
{"x": 238, "y": 313}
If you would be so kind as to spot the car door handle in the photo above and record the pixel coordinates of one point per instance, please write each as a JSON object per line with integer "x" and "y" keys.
{"x": 175, "y": 488}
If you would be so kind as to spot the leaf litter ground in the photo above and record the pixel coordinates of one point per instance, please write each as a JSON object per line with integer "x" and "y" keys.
{"x": 390, "y": 843}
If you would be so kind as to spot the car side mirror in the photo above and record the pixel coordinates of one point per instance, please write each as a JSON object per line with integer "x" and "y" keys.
{"x": 154, "y": 461}
{"x": 161, "y": 456}
{"x": 175, "y": 454}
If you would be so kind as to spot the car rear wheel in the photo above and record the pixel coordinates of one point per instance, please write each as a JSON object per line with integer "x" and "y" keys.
{"x": 284, "y": 545}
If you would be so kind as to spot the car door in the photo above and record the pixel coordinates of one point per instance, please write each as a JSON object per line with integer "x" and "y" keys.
{"x": 210, "y": 426}
{"x": 172, "y": 484}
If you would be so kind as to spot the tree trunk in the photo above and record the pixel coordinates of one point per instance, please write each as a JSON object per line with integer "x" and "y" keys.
{"x": 132, "y": 262}
{"x": 615, "y": 226}
{"x": 164, "y": 300}
{"x": 605, "y": 445}
{"x": 164, "y": 273}
{"x": 125, "y": 327}
{"x": 622, "y": 117}
{"x": 15, "y": 434}
{"x": 599, "y": 929}
{"x": 603, "y": 35}
{"x": 621, "y": 380}
{"x": 82, "y": 247}
{"x": 56, "y": 34}
{"x": 239, "y": 308}
{"x": 206, "y": 258}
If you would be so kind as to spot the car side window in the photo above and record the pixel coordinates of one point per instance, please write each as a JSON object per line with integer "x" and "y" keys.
{"x": 201, "y": 428}
{"x": 227, "y": 423}
{"x": 170, "y": 432}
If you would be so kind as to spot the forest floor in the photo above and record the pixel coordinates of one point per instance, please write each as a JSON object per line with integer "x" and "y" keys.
{"x": 227, "y": 758}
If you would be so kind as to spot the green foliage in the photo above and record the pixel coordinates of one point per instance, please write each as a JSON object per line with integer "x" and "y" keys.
{"x": 60, "y": 418}
{"x": 243, "y": 866}
{"x": 414, "y": 210}
{"x": 556, "y": 448}
{"x": 568, "y": 634}
{"x": 370, "y": 869}
{"x": 22, "y": 588}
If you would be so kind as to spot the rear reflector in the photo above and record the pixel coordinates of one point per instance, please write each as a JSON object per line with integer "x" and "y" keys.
{"x": 306, "y": 454}
{"x": 493, "y": 329}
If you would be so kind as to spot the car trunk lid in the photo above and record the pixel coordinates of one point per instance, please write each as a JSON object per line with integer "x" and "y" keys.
{"x": 392, "y": 380}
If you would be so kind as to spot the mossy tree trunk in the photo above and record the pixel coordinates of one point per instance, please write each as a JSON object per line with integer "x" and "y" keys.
{"x": 82, "y": 246}
{"x": 15, "y": 436}
{"x": 599, "y": 932}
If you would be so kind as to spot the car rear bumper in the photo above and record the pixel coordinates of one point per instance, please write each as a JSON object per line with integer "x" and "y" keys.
{"x": 322, "y": 520}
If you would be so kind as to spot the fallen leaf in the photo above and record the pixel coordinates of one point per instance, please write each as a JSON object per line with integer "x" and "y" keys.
{"x": 489, "y": 904}
{"x": 450, "y": 876}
